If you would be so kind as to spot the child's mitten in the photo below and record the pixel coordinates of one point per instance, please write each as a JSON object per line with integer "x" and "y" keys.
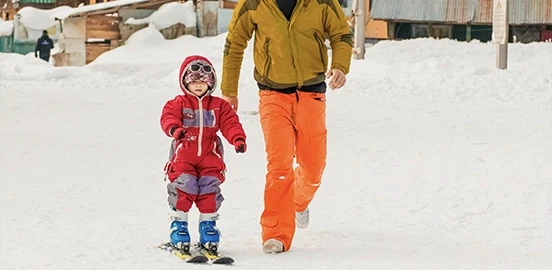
{"x": 177, "y": 133}
{"x": 240, "y": 146}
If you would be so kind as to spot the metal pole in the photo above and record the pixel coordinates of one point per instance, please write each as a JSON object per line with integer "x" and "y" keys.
{"x": 360, "y": 9}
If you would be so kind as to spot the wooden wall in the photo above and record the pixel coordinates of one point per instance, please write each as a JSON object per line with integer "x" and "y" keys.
{"x": 103, "y": 27}
{"x": 102, "y": 35}
{"x": 87, "y": 37}
{"x": 93, "y": 50}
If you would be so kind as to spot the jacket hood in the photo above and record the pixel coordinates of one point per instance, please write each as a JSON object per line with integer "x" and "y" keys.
{"x": 185, "y": 68}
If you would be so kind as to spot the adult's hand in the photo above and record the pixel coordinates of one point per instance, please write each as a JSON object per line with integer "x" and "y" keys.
{"x": 233, "y": 102}
{"x": 337, "y": 78}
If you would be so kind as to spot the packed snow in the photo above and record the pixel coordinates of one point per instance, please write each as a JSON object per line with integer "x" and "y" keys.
{"x": 437, "y": 160}
{"x": 146, "y": 37}
{"x": 6, "y": 28}
{"x": 170, "y": 14}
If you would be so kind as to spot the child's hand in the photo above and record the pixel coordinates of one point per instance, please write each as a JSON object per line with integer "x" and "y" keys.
{"x": 177, "y": 133}
{"x": 240, "y": 146}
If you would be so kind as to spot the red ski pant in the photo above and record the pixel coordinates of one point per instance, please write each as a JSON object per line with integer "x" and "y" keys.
{"x": 198, "y": 181}
{"x": 293, "y": 125}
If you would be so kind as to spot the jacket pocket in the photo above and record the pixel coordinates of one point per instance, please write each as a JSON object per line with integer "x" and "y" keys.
{"x": 269, "y": 222}
{"x": 268, "y": 61}
{"x": 174, "y": 170}
{"x": 321, "y": 50}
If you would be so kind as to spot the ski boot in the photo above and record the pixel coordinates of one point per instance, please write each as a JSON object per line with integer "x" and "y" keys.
{"x": 209, "y": 235}
{"x": 179, "y": 234}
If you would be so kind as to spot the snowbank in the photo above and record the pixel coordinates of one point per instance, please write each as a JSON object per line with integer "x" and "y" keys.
{"x": 6, "y": 28}
{"x": 145, "y": 47}
{"x": 39, "y": 19}
{"x": 148, "y": 36}
{"x": 148, "y": 47}
{"x": 170, "y": 14}
{"x": 27, "y": 68}
{"x": 22, "y": 67}
{"x": 147, "y": 55}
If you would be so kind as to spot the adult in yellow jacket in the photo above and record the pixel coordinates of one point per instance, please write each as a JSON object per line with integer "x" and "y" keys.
{"x": 291, "y": 61}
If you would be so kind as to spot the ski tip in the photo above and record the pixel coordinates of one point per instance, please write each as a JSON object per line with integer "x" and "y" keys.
{"x": 224, "y": 260}
{"x": 198, "y": 259}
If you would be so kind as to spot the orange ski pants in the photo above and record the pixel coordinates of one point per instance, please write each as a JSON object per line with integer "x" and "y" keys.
{"x": 293, "y": 125}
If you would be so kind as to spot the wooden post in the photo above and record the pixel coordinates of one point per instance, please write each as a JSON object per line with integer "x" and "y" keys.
{"x": 468, "y": 33}
{"x": 500, "y": 32}
{"x": 207, "y": 17}
{"x": 359, "y": 45}
{"x": 391, "y": 30}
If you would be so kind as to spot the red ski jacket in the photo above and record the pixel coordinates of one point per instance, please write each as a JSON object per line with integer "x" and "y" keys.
{"x": 201, "y": 117}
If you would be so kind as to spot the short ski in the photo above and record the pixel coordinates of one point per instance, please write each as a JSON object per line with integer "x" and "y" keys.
{"x": 213, "y": 256}
{"x": 185, "y": 256}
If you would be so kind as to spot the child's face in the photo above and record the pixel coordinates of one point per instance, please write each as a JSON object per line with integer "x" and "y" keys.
{"x": 198, "y": 88}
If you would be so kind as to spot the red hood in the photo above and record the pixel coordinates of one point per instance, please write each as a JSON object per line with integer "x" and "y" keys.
{"x": 184, "y": 67}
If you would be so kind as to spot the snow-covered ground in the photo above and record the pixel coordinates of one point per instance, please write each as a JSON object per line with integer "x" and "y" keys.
{"x": 437, "y": 160}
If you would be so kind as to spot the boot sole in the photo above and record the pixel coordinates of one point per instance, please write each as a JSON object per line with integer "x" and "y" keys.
{"x": 272, "y": 247}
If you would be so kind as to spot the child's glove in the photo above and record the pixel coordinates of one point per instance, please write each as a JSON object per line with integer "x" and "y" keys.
{"x": 177, "y": 133}
{"x": 240, "y": 146}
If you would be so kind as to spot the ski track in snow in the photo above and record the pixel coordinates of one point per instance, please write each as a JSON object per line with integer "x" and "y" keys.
{"x": 436, "y": 161}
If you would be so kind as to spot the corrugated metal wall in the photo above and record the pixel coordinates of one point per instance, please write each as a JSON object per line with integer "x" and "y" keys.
{"x": 531, "y": 11}
{"x": 409, "y": 9}
{"x": 484, "y": 12}
{"x": 461, "y": 11}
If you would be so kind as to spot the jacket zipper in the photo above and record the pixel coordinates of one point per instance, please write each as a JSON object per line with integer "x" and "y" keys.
{"x": 200, "y": 143}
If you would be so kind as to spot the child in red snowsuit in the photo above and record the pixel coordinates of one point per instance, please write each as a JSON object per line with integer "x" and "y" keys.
{"x": 196, "y": 167}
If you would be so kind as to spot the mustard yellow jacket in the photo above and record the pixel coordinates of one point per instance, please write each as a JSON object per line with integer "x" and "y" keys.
{"x": 286, "y": 53}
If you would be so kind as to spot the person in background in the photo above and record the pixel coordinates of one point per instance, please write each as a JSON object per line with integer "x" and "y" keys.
{"x": 43, "y": 46}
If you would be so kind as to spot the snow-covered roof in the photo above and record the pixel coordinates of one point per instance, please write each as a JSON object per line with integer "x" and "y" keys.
{"x": 100, "y": 6}
{"x": 6, "y": 28}
{"x": 39, "y": 19}
{"x": 170, "y": 14}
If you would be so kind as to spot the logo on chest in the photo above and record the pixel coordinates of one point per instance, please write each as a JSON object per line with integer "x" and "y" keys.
{"x": 188, "y": 114}
{"x": 197, "y": 118}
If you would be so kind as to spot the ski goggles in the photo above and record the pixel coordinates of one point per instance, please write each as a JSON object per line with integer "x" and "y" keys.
{"x": 195, "y": 67}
